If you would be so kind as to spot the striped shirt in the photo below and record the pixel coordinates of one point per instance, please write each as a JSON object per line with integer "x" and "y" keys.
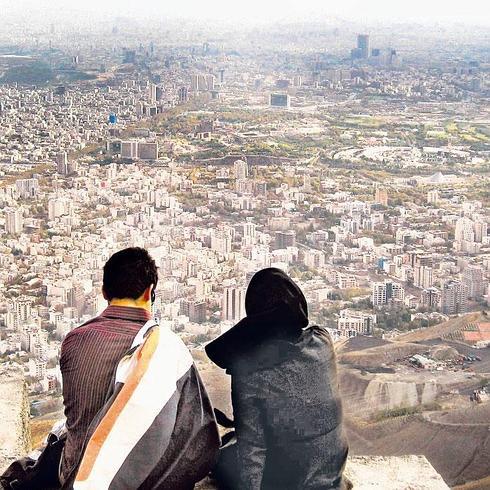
{"x": 89, "y": 357}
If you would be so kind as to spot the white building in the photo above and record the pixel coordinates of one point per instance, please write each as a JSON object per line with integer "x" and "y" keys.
{"x": 240, "y": 169}
{"x": 27, "y": 188}
{"x": 233, "y": 304}
{"x": 352, "y": 323}
{"x": 14, "y": 222}
{"x": 58, "y": 207}
{"x": 423, "y": 276}
{"x": 474, "y": 279}
{"x": 454, "y": 297}
{"x": 433, "y": 197}
{"x": 386, "y": 292}
{"x": 37, "y": 368}
{"x": 221, "y": 241}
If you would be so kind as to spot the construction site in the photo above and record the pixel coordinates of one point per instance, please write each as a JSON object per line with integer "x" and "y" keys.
{"x": 425, "y": 392}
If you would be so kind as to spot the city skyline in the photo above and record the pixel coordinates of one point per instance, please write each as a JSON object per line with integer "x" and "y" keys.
{"x": 352, "y": 155}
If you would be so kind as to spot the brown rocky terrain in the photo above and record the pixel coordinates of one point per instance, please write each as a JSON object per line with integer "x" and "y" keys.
{"x": 15, "y": 435}
{"x": 483, "y": 484}
{"x": 383, "y": 354}
{"x": 460, "y": 452}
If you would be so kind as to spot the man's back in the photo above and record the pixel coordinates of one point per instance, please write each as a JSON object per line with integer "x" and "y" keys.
{"x": 89, "y": 356}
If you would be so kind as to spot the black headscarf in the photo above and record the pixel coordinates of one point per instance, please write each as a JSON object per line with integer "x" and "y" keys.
{"x": 275, "y": 307}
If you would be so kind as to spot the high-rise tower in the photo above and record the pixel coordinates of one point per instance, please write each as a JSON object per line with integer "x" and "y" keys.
{"x": 363, "y": 45}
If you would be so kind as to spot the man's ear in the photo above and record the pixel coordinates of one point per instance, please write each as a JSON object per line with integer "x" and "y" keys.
{"x": 147, "y": 293}
{"x": 104, "y": 294}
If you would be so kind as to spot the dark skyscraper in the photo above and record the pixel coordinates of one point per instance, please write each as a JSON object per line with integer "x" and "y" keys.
{"x": 363, "y": 45}
{"x": 183, "y": 95}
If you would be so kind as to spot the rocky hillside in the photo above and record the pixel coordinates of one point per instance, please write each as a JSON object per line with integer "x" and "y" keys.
{"x": 458, "y": 450}
{"x": 15, "y": 435}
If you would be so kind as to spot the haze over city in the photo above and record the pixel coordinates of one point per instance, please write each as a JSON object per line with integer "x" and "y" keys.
{"x": 252, "y": 11}
{"x": 345, "y": 143}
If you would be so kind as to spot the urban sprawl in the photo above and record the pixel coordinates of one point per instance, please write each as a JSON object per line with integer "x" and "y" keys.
{"x": 358, "y": 165}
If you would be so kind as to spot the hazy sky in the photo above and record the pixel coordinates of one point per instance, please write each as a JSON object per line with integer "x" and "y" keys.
{"x": 468, "y": 11}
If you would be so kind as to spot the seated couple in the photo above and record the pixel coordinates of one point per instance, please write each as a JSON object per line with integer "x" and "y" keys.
{"x": 138, "y": 415}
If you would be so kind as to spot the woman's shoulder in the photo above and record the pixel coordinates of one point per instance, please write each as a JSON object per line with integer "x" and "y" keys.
{"x": 277, "y": 354}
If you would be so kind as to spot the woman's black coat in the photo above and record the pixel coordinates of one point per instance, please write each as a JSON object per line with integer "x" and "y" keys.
{"x": 285, "y": 394}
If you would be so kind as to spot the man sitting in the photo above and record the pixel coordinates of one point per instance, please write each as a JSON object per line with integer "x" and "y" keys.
{"x": 90, "y": 354}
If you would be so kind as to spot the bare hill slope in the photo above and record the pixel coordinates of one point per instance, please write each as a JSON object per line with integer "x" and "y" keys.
{"x": 382, "y": 354}
{"x": 445, "y": 328}
{"x": 460, "y": 453}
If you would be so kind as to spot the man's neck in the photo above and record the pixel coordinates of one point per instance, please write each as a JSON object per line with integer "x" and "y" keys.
{"x": 131, "y": 303}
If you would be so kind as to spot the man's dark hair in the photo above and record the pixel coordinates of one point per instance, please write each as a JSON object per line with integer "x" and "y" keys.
{"x": 128, "y": 273}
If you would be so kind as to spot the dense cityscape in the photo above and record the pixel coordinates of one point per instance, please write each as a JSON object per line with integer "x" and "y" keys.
{"x": 355, "y": 158}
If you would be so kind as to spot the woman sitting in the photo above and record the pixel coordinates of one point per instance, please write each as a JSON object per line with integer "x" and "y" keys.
{"x": 286, "y": 405}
